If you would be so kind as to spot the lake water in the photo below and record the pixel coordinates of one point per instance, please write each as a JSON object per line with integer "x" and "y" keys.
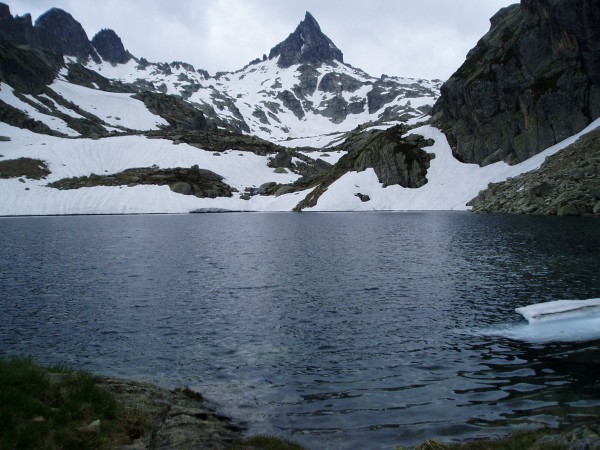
{"x": 339, "y": 330}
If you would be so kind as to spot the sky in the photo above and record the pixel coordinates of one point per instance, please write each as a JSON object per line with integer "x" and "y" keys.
{"x": 412, "y": 38}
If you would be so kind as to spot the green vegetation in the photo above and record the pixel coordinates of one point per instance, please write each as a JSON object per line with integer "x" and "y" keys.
{"x": 60, "y": 409}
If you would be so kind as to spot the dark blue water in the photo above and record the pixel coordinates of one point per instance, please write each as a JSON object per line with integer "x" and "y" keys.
{"x": 335, "y": 330}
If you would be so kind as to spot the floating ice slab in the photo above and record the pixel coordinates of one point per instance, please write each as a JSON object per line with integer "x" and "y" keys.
{"x": 560, "y": 310}
{"x": 557, "y": 321}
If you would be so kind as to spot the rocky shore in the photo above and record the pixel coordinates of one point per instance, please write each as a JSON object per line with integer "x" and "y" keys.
{"x": 180, "y": 417}
{"x": 183, "y": 420}
{"x": 567, "y": 184}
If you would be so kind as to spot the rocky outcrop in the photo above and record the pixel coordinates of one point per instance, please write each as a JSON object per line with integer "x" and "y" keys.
{"x": 17, "y": 30}
{"x": 60, "y": 33}
{"x": 289, "y": 100}
{"x": 17, "y": 118}
{"x": 193, "y": 181}
{"x": 396, "y": 159}
{"x": 531, "y": 81}
{"x": 28, "y": 70}
{"x": 216, "y": 140}
{"x": 110, "y": 47}
{"x": 307, "y": 44}
{"x": 34, "y": 169}
{"x": 567, "y": 184}
{"x": 179, "y": 114}
{"x": 179, "y": 419}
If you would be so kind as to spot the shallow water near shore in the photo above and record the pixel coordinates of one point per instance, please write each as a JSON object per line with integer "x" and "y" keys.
{"x": 341, "y": 330}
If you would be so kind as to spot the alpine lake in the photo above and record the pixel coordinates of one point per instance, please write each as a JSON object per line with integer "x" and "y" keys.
{"x": 335, "y": 330}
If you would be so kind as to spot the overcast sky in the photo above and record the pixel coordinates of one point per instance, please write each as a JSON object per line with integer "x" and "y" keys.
{"x": 413, "y": 38}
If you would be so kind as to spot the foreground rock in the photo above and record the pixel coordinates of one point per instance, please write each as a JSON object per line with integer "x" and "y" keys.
{"x": 567, "y": 184}
{"x": 180, "y": 418}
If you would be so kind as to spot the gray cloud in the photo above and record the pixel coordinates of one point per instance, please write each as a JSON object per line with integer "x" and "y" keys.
{"x": 416, "y": 38}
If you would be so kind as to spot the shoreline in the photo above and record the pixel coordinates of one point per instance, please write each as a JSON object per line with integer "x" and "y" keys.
{"x": 181, "y": 417}
{"x": 160, "y": 418}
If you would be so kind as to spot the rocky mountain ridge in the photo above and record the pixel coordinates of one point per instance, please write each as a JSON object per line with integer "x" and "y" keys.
{"x": 322, "y": 128}
{"x": 306, "y": 45}
{"x": 304, "y": 77}
{"x": 531, "y": 81}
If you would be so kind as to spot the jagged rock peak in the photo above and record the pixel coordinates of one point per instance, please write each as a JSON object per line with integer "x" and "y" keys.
{"x": 59, "y": 32}
{"x": 307, "y": 44}
{"x": 109, "y": 45}
{"x": 17, "y": 30}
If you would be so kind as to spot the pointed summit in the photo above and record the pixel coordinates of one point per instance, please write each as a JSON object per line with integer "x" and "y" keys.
{"x": 60, "y": 33}
{"x": 307, "y": 44}
{"x": 109, "y": 45}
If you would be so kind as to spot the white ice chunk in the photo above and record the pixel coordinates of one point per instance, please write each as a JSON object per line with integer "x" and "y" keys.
{"x": 560, "y": 310}
{"x": 557, "y": 321}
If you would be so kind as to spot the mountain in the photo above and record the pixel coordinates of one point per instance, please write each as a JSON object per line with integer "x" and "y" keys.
{"x": 531, "y": 81}
{"x": 88, "y": 127}
{"x": 306, "y": 45}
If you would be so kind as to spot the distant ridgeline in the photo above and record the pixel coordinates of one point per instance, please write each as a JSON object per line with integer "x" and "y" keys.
{"x": 532, "y": 81}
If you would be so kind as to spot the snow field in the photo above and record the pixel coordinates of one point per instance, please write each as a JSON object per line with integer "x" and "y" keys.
{"x": 72, "y": 158}
{"x": 113, "y": 108}
{"x": 451, "y": 184}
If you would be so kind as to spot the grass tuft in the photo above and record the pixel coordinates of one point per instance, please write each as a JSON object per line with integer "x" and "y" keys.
{"x": 54, "y": 409}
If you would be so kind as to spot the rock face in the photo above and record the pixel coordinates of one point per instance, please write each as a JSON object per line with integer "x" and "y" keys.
{"x": 28, "y": 69}
{"x": 180, "y": 418}
{"x": 60, "y": 33}
{"x": 175, "y": 110}
{"x": 307, "y": 44}
{"x": 531, "y": 81}
{"x": 18, "y": 30}
{"x": 567, "y": 184}
{"x": 110, "y": 47}
{"x": 395, "y": 158}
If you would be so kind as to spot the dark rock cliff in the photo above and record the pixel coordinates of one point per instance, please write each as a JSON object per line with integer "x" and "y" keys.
{"x": 395, "y": 157}
{"x": 60, "y": 33}
{"x": 109, "y": 45}
{"x": 17, "y": 30}
{"x": 307, "y": 44}
{"x": 531, "y": 81}
{"x": 28, "y": 69}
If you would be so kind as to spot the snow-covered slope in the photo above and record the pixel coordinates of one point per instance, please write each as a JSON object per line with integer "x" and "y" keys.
{"x": 81, "y": 157}
{"x": 277, "y": 103}
{"x": 95, "y": 119}
{"x": 451, "y": 184}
